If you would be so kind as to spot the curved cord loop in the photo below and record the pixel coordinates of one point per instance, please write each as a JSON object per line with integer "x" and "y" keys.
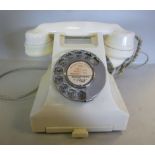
{"x": 128, "y": 61}
{"x": 7, "y": 98}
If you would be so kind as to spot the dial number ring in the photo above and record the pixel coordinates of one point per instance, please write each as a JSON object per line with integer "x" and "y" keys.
{"x": 77, "y": 74}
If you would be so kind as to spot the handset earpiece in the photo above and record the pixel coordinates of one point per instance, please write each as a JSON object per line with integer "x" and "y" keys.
{"x": 38, "y": 43}
{"x": 119, "y": 46}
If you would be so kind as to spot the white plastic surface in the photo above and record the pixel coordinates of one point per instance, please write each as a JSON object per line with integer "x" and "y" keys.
{"x": 119, "y": 46}
{"x": 37, "y": 41}
{"x": 120, "y": 40}
{"x": 137, "y": 93}
{"x": 107, "y": 112}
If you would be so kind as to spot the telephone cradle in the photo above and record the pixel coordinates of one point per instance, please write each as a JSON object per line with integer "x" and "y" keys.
{"x": 77, "y": 94}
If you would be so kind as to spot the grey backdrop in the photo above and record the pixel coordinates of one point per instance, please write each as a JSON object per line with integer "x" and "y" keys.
{"x": 13, "y": 25}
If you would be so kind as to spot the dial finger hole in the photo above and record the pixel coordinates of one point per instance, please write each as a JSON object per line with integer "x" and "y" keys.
{"x": 58, "y": 70}
{"x": 63, "y": 88}
{"x": 58, "y": 79}
{"x": 94, "y": 61}
{"x": 72, "y": 93}
{"x": 69, "y": 55}
{"x": 82, "y": 95}
{"x": 88, "y": 56}
{"x": 63, "y": 62}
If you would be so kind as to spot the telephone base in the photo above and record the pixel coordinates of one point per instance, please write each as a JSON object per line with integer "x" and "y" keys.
{"x": 53, "y": 113}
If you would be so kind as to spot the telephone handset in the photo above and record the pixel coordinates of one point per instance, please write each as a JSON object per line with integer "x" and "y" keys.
{"x": 77, "y": 91}
{"x": 119, "y": 43}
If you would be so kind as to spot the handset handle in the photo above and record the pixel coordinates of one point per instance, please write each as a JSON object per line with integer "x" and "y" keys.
{"x": 38, "y": 41}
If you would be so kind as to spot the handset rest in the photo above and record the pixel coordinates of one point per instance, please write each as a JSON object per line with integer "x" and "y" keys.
{"x": 38, "y": 41}
{"x": 119, "y": 43}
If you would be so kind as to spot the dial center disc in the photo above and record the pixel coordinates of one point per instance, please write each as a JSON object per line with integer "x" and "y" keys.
{"x": 80, "y": 73}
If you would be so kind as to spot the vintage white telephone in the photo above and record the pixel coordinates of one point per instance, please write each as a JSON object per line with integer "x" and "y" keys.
{"x": 78, "y": 94}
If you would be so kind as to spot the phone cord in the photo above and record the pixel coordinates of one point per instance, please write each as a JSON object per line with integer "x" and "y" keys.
{"x": 120, "y": 69}
{"x": 8, "y": 98}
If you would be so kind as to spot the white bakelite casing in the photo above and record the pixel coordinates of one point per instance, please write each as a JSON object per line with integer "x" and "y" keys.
{"x": 52, "y": 112}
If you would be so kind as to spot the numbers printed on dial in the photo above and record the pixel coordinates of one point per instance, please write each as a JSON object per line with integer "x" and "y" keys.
{"x": 74, "y": 73}
{"x": 80, "y": 73}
